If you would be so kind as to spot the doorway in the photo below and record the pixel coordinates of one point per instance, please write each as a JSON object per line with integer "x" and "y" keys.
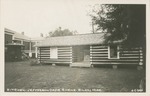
{"x": 81, "y": 53}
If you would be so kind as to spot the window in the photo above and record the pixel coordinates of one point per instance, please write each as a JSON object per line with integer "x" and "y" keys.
{"x": 113, "y": 52}
{"x": 53, "y": 53}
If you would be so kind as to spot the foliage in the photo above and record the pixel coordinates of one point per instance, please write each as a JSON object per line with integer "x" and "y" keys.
{"x": 34, "y": 63}
{"x": 121, "y": 22}
{"x": 60, "y": 32}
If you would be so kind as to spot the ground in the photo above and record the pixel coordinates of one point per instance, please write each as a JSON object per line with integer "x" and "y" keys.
{"x": 21, "y": 75}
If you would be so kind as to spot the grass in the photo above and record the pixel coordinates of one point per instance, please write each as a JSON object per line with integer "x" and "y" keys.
{"x": 21, "y": 75}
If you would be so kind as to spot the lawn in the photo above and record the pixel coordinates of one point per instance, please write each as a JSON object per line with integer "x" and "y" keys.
{"x": 20, "y": 75}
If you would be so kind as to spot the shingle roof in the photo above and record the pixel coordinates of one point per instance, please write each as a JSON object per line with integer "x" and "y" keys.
{"x": 8, "y": 31}
{"x": 20, "y": 36}
{"x": 84, "y": 39}
{"x": 17, "y": 35}
{"x": 37, "y": 38}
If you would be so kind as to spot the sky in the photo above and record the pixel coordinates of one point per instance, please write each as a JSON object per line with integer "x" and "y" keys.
{"x": 42, "y": 16}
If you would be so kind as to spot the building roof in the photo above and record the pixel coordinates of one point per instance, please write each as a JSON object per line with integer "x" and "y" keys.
{"x": 20, "y": 36}
{"x": 84, "y": 39}
{"x": 37, "y": 38}
{"x": 8, "y": 31}
{"x": 17, "y": 35}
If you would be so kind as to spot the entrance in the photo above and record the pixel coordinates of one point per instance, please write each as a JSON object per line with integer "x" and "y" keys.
{"x": 87, "y": 55}
{"x": 81, "y": 54}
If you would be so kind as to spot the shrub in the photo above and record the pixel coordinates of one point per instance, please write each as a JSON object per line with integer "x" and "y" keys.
{"x": 34, "y": 62}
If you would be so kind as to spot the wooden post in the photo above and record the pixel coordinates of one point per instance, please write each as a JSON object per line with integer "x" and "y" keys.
{"x": 30, "y": 49}
{"x": 36, "y": 52}
{"x": 40, "y": 54}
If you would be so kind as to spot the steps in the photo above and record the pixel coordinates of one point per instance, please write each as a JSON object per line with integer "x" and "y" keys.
{"x": 81, "y": 64}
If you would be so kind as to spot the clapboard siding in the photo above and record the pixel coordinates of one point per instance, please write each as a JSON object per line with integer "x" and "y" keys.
{"x": 44, "y": 54}
{"x": 99, "y": 55}
{"x": 64, "y": 55}
{"x": 74, "y": 54}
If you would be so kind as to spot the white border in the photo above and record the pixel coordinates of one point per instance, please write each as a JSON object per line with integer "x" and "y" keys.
{"x": 147, "y": 2}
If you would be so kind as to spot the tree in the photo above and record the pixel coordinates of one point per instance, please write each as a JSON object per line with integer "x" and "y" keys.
{"x": 122, "y": 22}
{"x": 60, "y": 32}
{"x": 126, "y": 23}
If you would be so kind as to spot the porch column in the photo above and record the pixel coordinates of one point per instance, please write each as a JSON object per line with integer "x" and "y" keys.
{"x": 22, "y": 42}
{"x": 30, "y": 51}
{"x": 36, "y": 52}
{"x": 39, "y": 55}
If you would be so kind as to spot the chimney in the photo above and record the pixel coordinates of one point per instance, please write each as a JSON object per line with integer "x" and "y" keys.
{"x": 59, "y": 28}
{"x": 41, "y": 34}
{"x": 22, "y": 33}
